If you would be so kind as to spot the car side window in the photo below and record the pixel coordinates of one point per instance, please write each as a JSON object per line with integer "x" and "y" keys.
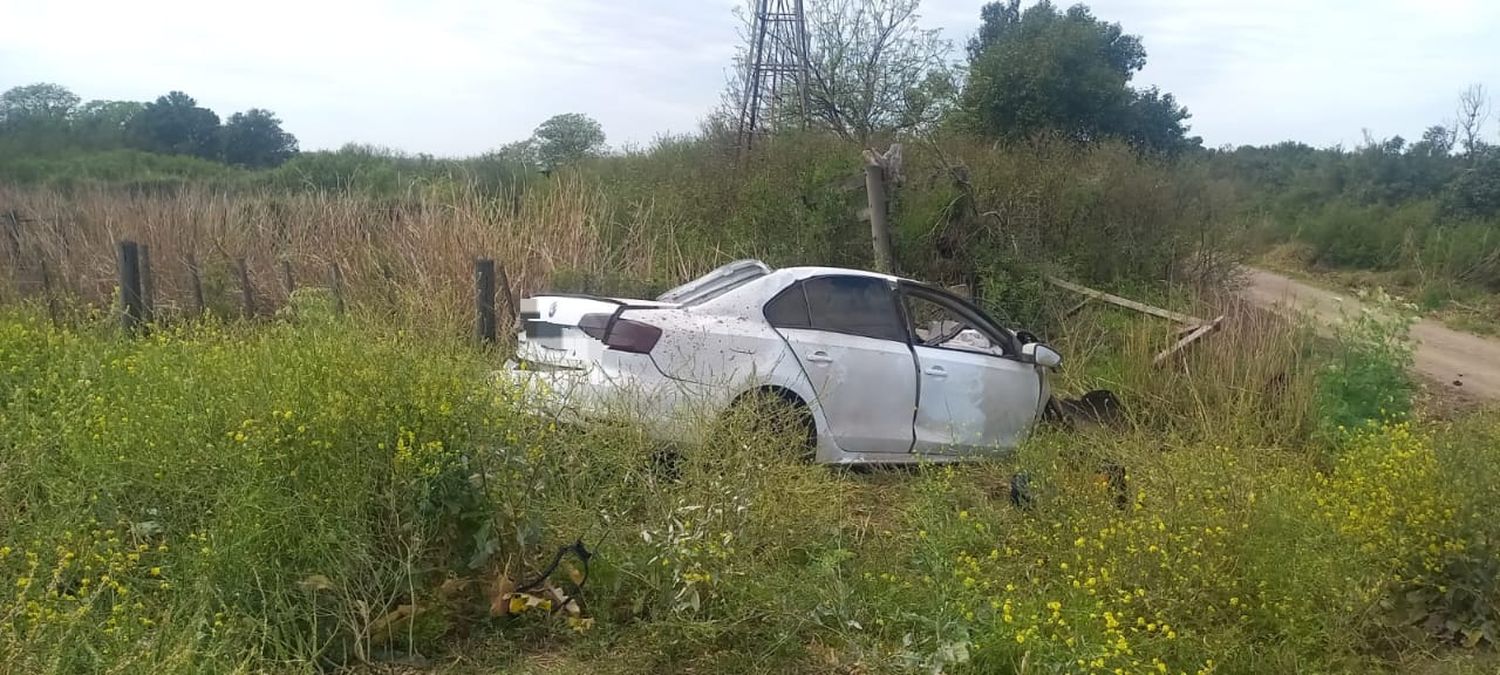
{"x": 855, "y": 305}
{"x": 934, "y": 323}
{"x": 789, "y": 308}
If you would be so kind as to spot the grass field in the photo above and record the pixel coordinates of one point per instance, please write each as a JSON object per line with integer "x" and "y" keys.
{"x": 315, "y": 492}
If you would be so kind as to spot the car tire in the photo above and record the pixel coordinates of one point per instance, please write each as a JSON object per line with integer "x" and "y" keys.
{"x": 777, "y": 413}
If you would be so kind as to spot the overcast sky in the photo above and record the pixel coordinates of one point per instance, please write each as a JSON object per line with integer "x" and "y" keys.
{"x": 455, "y": 77}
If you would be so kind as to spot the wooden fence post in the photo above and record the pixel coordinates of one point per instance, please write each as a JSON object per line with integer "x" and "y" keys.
{"x": 880, "y": 232}
{"x": 13, "y": 234}
{"x": 336, "y": 283}
{"x": 511, "y": 311}
{"x": 286, "y": 277}
{"x": 484, "y": 299}
{"x": 133, "y": 311}
{"x": 52, "y": 311}
{"x": 247, "y": 293}
{"x": 196, "y": 279}
{"x": 148, "y": 285}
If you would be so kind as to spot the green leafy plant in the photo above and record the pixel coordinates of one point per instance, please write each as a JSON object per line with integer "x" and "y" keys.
{"x": 1367, "y": 378}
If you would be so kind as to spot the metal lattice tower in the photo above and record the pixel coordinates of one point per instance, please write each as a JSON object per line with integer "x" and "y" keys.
{"x": 776, "y": 71}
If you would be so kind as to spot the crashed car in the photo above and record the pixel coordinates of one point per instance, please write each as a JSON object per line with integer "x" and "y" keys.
{"x": 880, "y": 369}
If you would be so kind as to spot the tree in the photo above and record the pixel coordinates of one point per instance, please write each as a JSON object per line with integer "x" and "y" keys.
{"x": 103, "y": 124}
{"x": 1437, "y": 141}
{"x": 35, "y": 118}
{"x": 36, "y": 102}
{"x": 1475, "y": 191}
{"x": 1046, "y": 70}
{"x": 521, "y": 152}
{"x": 1473, "y": 112}
{"x": 1154, "y": 121}
{"x": 567, "y": 138}
{"x": 1428, "y": 162}
{"x": 174, "y": 124}
{"x": 254, "y": 139}
{"x": 873, "y": 69}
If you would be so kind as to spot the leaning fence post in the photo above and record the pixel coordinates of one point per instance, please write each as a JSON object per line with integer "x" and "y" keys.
{"x": 247, "y": 293}
{"x": 148, "y": 285}
{"x": 484, "y": 299}
{"x": 503, "y": 279}
{"x": 133, "y": 311}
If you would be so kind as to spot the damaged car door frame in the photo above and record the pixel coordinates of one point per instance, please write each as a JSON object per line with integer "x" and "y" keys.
{"x": 883, "y": 392}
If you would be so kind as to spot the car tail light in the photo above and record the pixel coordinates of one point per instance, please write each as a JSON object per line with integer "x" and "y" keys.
{"x": 621, "y": 334}
{"x": 594, "y": 325}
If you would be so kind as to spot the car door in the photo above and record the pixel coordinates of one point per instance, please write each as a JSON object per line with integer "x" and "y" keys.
{"x": 973, "y": 394}
{"x": 850, "y": 340}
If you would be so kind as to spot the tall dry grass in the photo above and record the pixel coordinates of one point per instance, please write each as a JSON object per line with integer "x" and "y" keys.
{"x": 412, "y": 253}
{"x": 1252, "y": 382}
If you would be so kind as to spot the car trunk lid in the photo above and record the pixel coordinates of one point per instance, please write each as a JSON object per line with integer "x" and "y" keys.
{"x": 550, "y": 334}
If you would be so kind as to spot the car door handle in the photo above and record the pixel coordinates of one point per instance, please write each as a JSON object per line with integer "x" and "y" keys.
{"x": 820, "y": 356}
{"x": 936, "y": 371}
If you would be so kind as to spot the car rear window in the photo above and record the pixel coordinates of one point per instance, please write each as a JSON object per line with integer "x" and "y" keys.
{"x": 716, "y": 283}
{"x": 855, "y": 305}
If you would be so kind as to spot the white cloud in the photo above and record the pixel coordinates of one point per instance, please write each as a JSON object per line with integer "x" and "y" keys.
{"x": 461, "y": 76}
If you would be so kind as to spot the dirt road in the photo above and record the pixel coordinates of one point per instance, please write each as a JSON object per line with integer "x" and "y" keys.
{"x": 1453, "y": 359}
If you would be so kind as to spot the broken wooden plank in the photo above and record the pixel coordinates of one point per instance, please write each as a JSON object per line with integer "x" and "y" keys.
{"x": 1190, "y": 338}
{"x": 1126, "y": 302}
{"x": 1078, "y": 307}
{"x": 1186, "y": 328}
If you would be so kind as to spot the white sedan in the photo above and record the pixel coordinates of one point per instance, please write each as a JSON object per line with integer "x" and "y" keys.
{"x": 882, "y": 369}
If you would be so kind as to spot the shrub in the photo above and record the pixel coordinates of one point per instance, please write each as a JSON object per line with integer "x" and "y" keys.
{"x": 1367, "y": 379}
{"x": 1205, "y": 559}
{"x": 128, "y": 170}
{"x": 1423, "y": 519}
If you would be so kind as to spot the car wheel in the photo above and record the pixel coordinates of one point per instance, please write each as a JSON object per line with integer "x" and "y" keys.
{"x": 776, "y": 416}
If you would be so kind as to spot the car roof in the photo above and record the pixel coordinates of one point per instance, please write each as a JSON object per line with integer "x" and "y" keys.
{"x": 813, "y": 271}
{"x": 724, "y": 281}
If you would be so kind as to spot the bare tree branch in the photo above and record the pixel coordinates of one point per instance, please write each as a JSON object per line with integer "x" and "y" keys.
{"x": 1473, "y": 112}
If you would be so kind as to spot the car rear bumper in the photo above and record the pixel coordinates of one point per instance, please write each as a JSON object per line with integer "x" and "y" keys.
{"x": 667, "y": 409}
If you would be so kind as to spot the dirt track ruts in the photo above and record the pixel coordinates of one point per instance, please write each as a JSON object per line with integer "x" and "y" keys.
{"x": 1443, "y": 355}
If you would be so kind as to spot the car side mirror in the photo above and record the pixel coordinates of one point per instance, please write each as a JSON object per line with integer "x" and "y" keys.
{"x": 1040, "y": 354}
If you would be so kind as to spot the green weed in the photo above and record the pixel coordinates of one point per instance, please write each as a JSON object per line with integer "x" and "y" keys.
{"x": 1367, "y": 379}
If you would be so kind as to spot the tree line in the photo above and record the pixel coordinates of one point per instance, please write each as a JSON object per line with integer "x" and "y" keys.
{"x": 44, "y": 117}
{"x": 1453, "y": 164}
{"x": 873, "y": 71}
